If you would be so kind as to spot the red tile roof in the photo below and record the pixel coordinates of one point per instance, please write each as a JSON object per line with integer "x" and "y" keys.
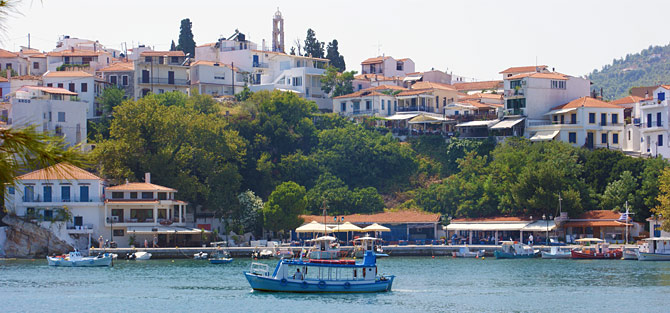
{"x": 482, "y": 96}
{"x": 119, "y": 67}
{"x": 27, "y": 77}
{"x": 141, "y": 186}
{"x": 599, "y": 215}
{"x": 374, "y": 60}
{"x": 593, "y": 224}
{"x": 523, "y": 69}
{"x": 627, "y": 100}
{"x": 553, "y": 75}
{"x": 7, "y": 54}
{"x": 490, "y": 219}
{"x": 61, "y": 171}
{"x": 75, "y": 53}
{"x": 386, "y": 87}
{"x": 397, "y": 217}
{"x": 490, "y": 84}
{"x": 67, "y": 74}
{"x": 414, "y": 92}
{"x": 425, "y": 85}
{"x": 162, "y": 54}
{"x": 3, "y": 80}
{"x": 587, "y": 102}
{"x": 361, "y": 93}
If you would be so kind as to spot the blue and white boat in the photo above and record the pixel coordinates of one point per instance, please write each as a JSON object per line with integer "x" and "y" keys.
{"x": 654, "y": 249}
{"x": 515, "y": 250}
{"x": 320, "y": 276}
{"x": 75, "y": 259}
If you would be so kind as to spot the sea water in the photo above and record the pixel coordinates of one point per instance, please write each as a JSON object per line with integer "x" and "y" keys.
{"x": 422, "y": 284}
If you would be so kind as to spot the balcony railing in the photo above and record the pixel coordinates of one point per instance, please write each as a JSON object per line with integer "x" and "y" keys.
{"x": 360, "y": 112}
{"x": 165, "y": 81}
{"x": 420, "y": 108}
{"x": 76, "y": 199}
{"x": 514, "y": 92}
{"x": 260, "y": 65}
{"x": 653, "y": 124}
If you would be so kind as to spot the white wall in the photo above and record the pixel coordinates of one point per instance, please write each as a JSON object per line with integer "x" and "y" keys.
{"x": 88, "y": 96}
{"x": 25, "y": 112}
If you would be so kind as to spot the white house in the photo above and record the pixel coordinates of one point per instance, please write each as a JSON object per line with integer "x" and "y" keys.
{"x": 216, "y": 79}
{"x": 585, "y": 122}
{"x": 365, "y": 102}
{"x": 51, "y": 109}
{"x": 13, "y": 61}
{"x": 387, "y": 66}
{"x": 45, "y": 194}
{"x": 80, "y": 82}
{"x": 36, "y": 61}
{"x": 632, "y": 117}
{"x": 161, "y": 71}
{"x": 655, "y": 230}
{"x": 85, "y": 60}
{"x": 517, "y": 70}
{"x": 654, "y": 129}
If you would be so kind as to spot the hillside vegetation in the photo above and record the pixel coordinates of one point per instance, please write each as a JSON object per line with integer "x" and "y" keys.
{"x": 649, "y": 67}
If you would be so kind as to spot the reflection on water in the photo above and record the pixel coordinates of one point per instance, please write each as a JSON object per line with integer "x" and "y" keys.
{"x": 422, "y": 284}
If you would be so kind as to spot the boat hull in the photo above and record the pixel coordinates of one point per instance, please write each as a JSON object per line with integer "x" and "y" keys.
{"x": 642, "y": 256}
{"x": 264, "y": 283}
{"x": 86, "y": 262}
{"x": 597, "y": 256}
{"x": 220, "y": 261}
{"x": 505, "y": 255}
{"x": 548, "y": 255}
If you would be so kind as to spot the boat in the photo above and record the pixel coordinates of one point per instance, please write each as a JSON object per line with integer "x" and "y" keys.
{"x": 515, "y": 250}
{"x": 655, "y": 249}
{"x": 265, "y": 253}
{"x": 140, "y": 255}
{"x": 630, "y": 253}
{"x": 320, "y": 276}
{"x": 200, "y": 256}
{"x": 368, "y": 243}
{"x": 464, "y": 252}
{"x": 220, "y": 257}
{"x": 324, "y": 248}
{"x": 594, "y": 248}
{"x": 75, "y": 259}
{"x": 556, "y": 253}
{"x": 284, "y": 253}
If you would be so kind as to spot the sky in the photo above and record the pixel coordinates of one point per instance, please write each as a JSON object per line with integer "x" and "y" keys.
{"x": 474, "y": 39}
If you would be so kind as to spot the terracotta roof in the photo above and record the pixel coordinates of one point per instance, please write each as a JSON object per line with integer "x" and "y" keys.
{"x": 490, "y": 84}
{"x": 75, "y": 53}
{"x": 207, "y": 45}
{"x": 382, "y": 218}
{"x": 374, "y": 60}
{"x": 476, "y": 104}
{"x": 162, "y": 53}
{"x": 553, "y": 75}
{"x": 119, "y": 67}
{"x": 483, "y": 96}
{"x": 374, "y": 77}
{"x": 27, "y": 77}
{"x": 386, "y": 87}
{"x": 53, "y": 90}
{"x": 3, "y": 80}
{"x": 361, "y": 93}
{"x": 414, "y": 92}
{"x": 523, "y": 69}
{"x": 587, "y": 102}
{"x": 68, "y": 74}
{"x": 30, "y": 51}
{"x": 293, "y": 56}
{"x": 647, "y": 91}
{"x": 627, "y": 100}
{"x": 41, "y": 55}
{"x": 7, "y": 54}
{"x": 594, "y": 224}
{"x": 599, "y": 215}
{"x": 404, "y": 59}
{"x": 490, "y": 219}
{"x": 425, "y": 85}
{"x": 141, "y": 187}
{"x": 210, "y": 63}
{"x": 61, "y": 171}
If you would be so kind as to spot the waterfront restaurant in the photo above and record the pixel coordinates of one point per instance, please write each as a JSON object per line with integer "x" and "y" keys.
{"x": 603, "y": 224}
{"x": 407, "y": 226}
{"x": 493, "y": 230}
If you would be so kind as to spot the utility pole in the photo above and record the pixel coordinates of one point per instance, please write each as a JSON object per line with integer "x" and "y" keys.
{"x": 28, "y": 40}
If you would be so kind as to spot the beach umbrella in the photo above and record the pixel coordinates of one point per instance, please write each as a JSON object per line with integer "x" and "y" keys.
{"x": 376, "y": 227}
{"x": 313, "y": 227}
{"x": 347, "y": 227}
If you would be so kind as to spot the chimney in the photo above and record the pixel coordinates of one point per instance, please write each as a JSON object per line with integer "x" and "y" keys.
{"x": 147, "y": 178}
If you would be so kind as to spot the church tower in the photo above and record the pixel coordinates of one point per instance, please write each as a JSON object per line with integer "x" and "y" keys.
{"x": 278, "y": 32}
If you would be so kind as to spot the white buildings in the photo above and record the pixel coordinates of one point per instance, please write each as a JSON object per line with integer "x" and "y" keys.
{"x": 84, "y": 60}
{"x": 79, "y": 82}
{"x": 387, "y": 66}
{"x": 365, "y": 102}
{"x": 161, "y": 71}
{"x": 11, "y": 60}
{"x": 654, "y": 129}
{"x": 216, "y": 79}
{"x": 51, "y": 109}
{"x": 585, "y": 122}
{"x": 47, "y": 195}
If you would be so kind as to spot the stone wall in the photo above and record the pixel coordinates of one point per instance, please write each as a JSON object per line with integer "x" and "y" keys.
{"x": 28, "y": 240}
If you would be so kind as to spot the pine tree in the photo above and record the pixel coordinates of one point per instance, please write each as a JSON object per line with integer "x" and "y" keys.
{"x": 336, "y": 60}
{"x": 173, "y": 47}
{"x": 313, "y": 47}
{"x": 186, "y": 42}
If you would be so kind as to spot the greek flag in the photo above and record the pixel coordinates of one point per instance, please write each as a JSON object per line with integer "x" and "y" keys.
{"x": 624, "y": 218}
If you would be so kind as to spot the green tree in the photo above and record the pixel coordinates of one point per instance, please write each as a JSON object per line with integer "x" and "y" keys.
{"x": 186, "y": 42}
{"x": 283, "y": 209}
{"x": 111, "y": 97}
{"x": 663, "y": 198}
{"x": 251, "y": 211}
{"x": 3, "y": 73}
{"x": 337, "y": 84}
{"x": 619, "y": 191}
{"x": 173, "y": 47}
{"x": 244, "y": 94}
{"x": 333, "y": 54}
{"x": 647, "y": 195}
{"x": 313, "y": 47}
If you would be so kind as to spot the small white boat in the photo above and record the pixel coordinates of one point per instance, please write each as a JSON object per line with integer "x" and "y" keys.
{"x": 368, "y": 243}
{"x": 515, "y": 250}
{"x": 630, "y": 253}
{"x": 200, "y": 256}
{"x": 265, "y": 253}
{"x": 284, "y": 253}
{"x": 75, "y": 259}
{"x": 464, "y": 252}
{"x": 140, "y": 255}
{"x": 556, "y": 253}
{"x": 324, "y": 248}
{"x": 654, "y": 249}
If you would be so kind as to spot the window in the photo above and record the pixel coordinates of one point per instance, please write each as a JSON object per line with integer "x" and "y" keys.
{"x": 556, "y": 118}
{"x": 603, "y": 138}
{"x": 573, "y": 118}
{"x": 50, "y": 85}
{"x": 145, "y": 76}
{"x": 513, "y": 84}
{"x": 162, "y": 196}
{"x": 360, "y": 86}
{"x": 84, "y": 87}
{"x": 368, "y": 105}
{"x": 133, "y": 195}
{"x": 46, "y": 193}
{"x": 11, "y": 190}
{"x": 36, "y": 65}
{"x": 649, "y": 120}
{"x": 174, "y": 59}
{"x": 112, "y": 79}
{"x": 603, "y": 119}
{"x": 118, "y": 213}
{"x": 117, "y": 195}
{"x": 615, "y": 118}
{"x": 297, "y": 81}
{"x": 124, "y": 80}
{"x": 49, "y": 116}
{"x": 557, "y": 84}
{"x": 562, "y": 119}
{"x": 660, "y": 140}
{"x": 48, "y": 215}
{"x": 147, "y": 195}
{"x": 28, "y": 194}
{"x": 615, "y": 138}
{"x": 118, "y": 232}
{"x": 382, "y": 104}
{"x": 141, "y": 215}
{"x": 65, "y": 193}
{"x": 8, "y": 65}
{"x": 147, "y": 59}
{"x": 659, "y": 119}
{"x": 60, "y": 85}
{"x": 592, "y": 118}
{"x": 343, "y": 107}
{"x": 83, "y": 193}
{"x": 629, "y": 135}
{"x": 399, "y": 66}
{"x": 61, "y": 116}
{"x": 572, "y": 137}
{"x": 71, "y": 87}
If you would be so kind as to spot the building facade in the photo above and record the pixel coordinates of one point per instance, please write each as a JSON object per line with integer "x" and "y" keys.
{"x": 158, "y": 72}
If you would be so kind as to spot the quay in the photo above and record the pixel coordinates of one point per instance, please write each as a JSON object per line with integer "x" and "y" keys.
{"x": 392, "y": 250}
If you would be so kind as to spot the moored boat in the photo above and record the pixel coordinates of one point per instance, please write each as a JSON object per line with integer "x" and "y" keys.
{"x": 368, "y": 243}
{"x": 515, "y": 250}
{"x": 655, "y": 249}
{"x": 200, "y": 256}
{"x": 320, "y": 276}
{"x": 556, "y": 253}
{"x": 594, "y": 248}
{"x": 140, "y": 255}
{"x": 630, "y": 253}
{"x": 464, "y": 252}
{"x": 75, "y": 259}
{"x": 324, "y": 248}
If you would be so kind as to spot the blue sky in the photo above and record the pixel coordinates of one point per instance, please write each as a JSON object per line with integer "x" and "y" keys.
{"x": 470, "y": 38}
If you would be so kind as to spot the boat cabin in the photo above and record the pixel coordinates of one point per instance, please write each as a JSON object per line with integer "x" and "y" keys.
{"x": 658, "y": 245}
{"x": 328, "y": 270}
{"x": 515, "y": 247}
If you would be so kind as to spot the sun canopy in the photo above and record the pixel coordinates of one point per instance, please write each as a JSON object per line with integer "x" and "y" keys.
{"x": 346, "y": 227}
{"x": 376, "y": 227}
{"x": 412, "y": 78}
{"x": 657, "y": 239}
{"x": 540, "y": 226}
{"x": 165, "y": 230}
{"x": 488, "y": 226}
{"x": 477, "y": 123}
{"x": 423, "y": 118}
{"x": 544, "y": 135}
{"x": 561, "y": 111}
{"x": 324, "y": 238}
{"x": 366, "y": 238}
{"x": 313, "y": 227}
{"x": 589, "y": 240}
{"x": 505, "y": 124}
{"x": 400, "y": 117}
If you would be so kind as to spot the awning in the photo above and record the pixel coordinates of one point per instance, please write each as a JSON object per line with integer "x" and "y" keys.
{"x": 412, "y": 78}
{"x": 514, "y": 226}
{"x": 400, "y": 117}
{"x": 544, "y": 135}
{"x": 423, "y": 118}
{"x": 164, "y": 230}
{"x": 505, "y": 124}
{"x": 477, "y": 123}
{"x": 561, "y": 111}
{"x": 540, "y": 226}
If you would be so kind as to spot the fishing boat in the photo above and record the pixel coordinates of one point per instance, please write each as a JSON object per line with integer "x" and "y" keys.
{"x": 464, "y": 252}
{"x": 264, "y": 253}
{"x": 556, "y": 253}
{"x": 515, "y": 250}
{"x": 630, "y": 253}
{"x": 200, "y": 256}
{"x": 75, "y": 259}
{"x": 220, "y": 257}
{"x": 324, "y": 248}
{"x": 655, "y": 249}
{"x": 320, "y": 276}
{"x": 594, "y": 248}
{"x": 284, "y": 253}
{"x": 367, "y": 243}
{"x": 139, "y": 256}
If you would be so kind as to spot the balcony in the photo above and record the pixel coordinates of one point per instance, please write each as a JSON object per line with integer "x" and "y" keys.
{"x": 515, "y": 93}
{"x": 420, "y": 108}
{"x": 260, "y": 65}
{"x": 652, "y": 124}
{"x": 360, "y": 113}
{"x": 120, "y": 221}
{"x": 165, "y": 81}
{"x": 55, "y": 200}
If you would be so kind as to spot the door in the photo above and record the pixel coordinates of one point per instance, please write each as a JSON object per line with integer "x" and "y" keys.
{"x": 255, "y": 61}
{"x": 357, "y": 107}
{"x": 388, "y": 108}
{"x": 171, "y": 77}
{"x": 589, "y": 140}
{"x": 78, "y": 220}
{"x": 47, "y": 193}
{"x": 65, "y": 193}
{"x": 145, "y": 76}
{"x": 28, "y": 194}
{"x": 83, "y": 193}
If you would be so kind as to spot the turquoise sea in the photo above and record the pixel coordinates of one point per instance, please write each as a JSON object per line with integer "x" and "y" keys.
{"x": 423, "y": 284}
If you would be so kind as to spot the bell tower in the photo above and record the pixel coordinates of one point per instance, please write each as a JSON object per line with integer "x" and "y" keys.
{"x": 278, "y": 32}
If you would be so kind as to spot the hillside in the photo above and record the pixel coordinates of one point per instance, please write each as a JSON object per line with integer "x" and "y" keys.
{"x": 649, "y": 67}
